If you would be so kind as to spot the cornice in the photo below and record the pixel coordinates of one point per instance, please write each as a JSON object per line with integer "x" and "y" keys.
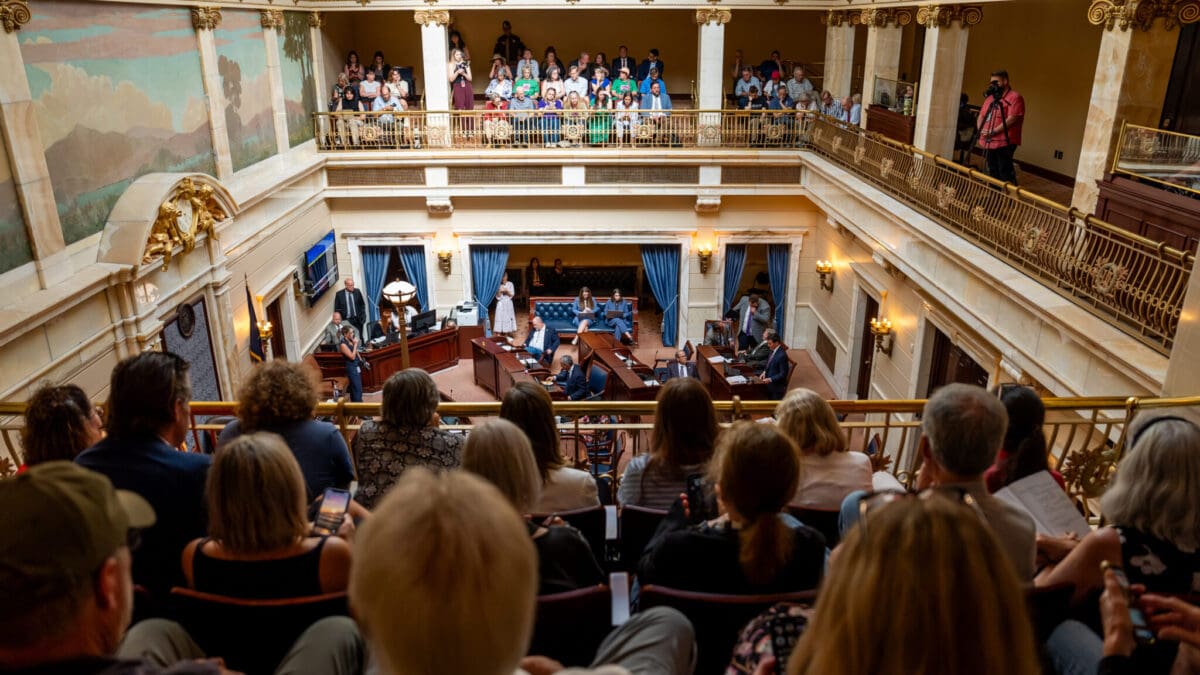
{"x": 943, "y": 16}
{"x": 1141, "y": 14}
{"x": 206, "y": 18}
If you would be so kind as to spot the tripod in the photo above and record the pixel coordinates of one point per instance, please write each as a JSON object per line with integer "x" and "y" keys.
{"x": 997, "y": 102}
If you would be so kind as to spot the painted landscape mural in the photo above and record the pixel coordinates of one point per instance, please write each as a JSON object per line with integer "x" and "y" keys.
{"x": 296, "y": 68}
{"x": 117, "y": 93}
{"x": 242, "y": 64}
{"x": 14, "y": 244}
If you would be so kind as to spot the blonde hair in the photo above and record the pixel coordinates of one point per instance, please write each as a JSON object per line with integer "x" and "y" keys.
{"x": 256, "y": 495}
{"x": 445, "y": 560}
{"x": 930, "y": 579}
{"x": 808, "y": 419}
{"x": 499, "y": 452}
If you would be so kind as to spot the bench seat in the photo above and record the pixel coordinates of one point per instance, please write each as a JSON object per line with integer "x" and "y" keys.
{"x": 555, "y": 310}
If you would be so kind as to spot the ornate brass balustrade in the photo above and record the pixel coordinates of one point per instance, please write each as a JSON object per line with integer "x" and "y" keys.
{"x": 1167, "y": 158}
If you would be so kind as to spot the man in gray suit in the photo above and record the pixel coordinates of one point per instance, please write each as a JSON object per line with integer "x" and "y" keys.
{"x": 333, "y": 332}
{"x": 681, "y": 367}
{"x": 754, "y": 315}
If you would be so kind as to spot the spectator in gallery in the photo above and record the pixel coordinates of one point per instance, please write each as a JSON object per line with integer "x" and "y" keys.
{"x": 500, "y": 86}
{"x": 735, "y": 69}
{"x": 527, "y": 61}
{"x": 335, "y": 95}
{"x": 583, "y": 64}
{"x": 828, "y": 469}
{"x": 353, "y": 70}
{"x": 771, "y": 65}
{"x": 550, "y": 60}
{"x": 799, "y": 84}
{"x": 349, "y": 126}
{"x": 1024, "y": 452}
{"x": 381, "y": 67}
{"x": 742, "y": 89}
{"x": 685, "y": 432}
{"x": 598, "y": 83}
{"x": 601, "y": 123}
{"x": 398, "y": 85}
{"x": 458, "y": 43}
{"x": 771, "y": 85}
{"x": 554, "y": 81}
{"x": 623, "y": 85}
{"x": 575, "y": 82}
{"x": 460, "y": 82}
{"x": 523, "y": 108}
{"x": 652, "y": 62}
{"x": 548, "y": 116}
{"x": 624, "y": 61}
{"x": 657, "y": 104}
{"x": 528, "y": 80}
{"x": 499, "y": 66}
{"x": 600, "y": 61}
{"x": 368, "y": 89}
{"x": 829, "y": 105}
{"x": 494, "y": 119}
{"x": 60, "y": 423}
{"x": 508, "y": 45}
{"x": 625, "y": 119}
{"x": 647, "y": 85}
{"x": 529, "y": 407}
{"x": 851, "y": 112}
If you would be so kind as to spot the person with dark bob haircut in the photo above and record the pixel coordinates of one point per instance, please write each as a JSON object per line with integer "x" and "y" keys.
{"x": 528, "y": 406}
{"x": 279, "y": 397}
{"x": 407, "y": 435}
{"x": 60, "y": 423}
{"x": 148, "y": 422}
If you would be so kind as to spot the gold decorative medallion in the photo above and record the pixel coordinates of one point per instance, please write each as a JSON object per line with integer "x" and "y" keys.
{"x": 14, "y": 14}
{"x": 206, "y": 18}
{"x": 432, "y": 17}
{"x": 715, "y": 15}
{"x": 187, "y": 214}
{"x": 271, "y": 18}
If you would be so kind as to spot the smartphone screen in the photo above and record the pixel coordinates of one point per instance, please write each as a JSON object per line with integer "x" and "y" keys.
{"x": 333, "y": 507}
{"x": 1141, "y": 627}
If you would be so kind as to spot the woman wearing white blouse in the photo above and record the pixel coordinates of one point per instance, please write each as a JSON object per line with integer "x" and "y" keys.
{"x": 506, "y": 318}
{"x": 828, "y": 470}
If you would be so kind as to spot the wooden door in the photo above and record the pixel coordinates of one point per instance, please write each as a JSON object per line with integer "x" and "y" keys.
{"x": 275, "y": 316}
{"x": 866, "y": 353}
{"x": 950, "y": 364}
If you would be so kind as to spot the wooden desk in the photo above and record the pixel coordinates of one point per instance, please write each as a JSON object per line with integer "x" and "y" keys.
{"x": 497, "y": 369}
{"x": 465, "y": 335}
{"x": 431, "y": 352}
{"x": 892, "y": 124}
{"x": 626, "y": 380}
{"x": 713, "y": 377}
{"x": 590, "y": 343}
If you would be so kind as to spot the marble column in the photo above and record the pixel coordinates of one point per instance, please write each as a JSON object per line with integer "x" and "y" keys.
{"x": 272, "y": 21}
{"x": 885, "y": 34}
{"x": 205, "y": 20}
{"x": 946, "y": 30}
{"x": 27, "y": 158}
{"x": 316, "y": 21}
{"x": 839, "y": 51}
{"x": 710, "y": 82}
{"x": 1133, "y": 69}
{"x": 435, "y": 47}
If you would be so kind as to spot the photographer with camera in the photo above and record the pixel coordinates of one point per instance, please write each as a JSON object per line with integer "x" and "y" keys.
{"x": 999, "y": 127}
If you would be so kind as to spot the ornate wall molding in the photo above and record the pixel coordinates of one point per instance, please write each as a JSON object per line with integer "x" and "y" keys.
{"x": 943, "y": 16}
{"x": 14, "y": 14}
{"x": 271, "y": 18}
{"x": 713, "y": 15}
{"x": 206, "y": 18}
{"x": 882, "y": 17}
{"x": 839, "y": 17}
{"x": 190, "y": 211}
{"x": 432, "y": 17}
{"x": 1126, "y": 14}
{"x": 316, "y": 20}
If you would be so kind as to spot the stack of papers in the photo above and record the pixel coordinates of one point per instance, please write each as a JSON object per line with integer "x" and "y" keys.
{"x": 1041, "y": 497}
{"x": 736, "y": 379}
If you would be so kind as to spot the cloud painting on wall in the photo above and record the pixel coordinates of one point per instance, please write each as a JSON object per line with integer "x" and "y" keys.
{"x": 14, "y": 243}
{"x": 242, "y": 65}
{"x": 117, "y": 93}
{"x": 296, "y": 69}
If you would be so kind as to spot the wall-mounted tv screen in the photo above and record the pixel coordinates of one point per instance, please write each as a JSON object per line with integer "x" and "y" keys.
{"x": 320, "y": 268}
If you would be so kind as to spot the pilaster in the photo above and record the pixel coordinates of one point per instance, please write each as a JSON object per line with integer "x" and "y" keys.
{"x": 839, "y": 51}
{"x": 272, "y": 21}
{"x": 205, "y": 20}
{"x": 710, "y": 80}
{"x": 947, "y": 28}
{"x": 316, "y": 22}
{"x": 435, "y": 48}
{"x": 885, "y": 34}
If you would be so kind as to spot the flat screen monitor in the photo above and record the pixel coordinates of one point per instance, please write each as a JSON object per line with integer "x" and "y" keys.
{"x": 424, "y": 322}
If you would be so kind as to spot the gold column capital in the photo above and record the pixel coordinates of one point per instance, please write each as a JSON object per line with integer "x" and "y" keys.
{"x": 881, "y": 17}
{"x": 1141, "y": 14}
{"x": 432, "y": 17}
{"x": 715, "y": 15}
{"x": 838, "y": 17}
{"x": 14, "y": 14}
{"x": 942, "y": 16}
{"x": 271, "y": 18}
{"x": 316, "y": 20}
{"x": 206, "y": 18}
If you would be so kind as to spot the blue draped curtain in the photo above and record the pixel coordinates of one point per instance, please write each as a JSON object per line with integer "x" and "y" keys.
{"x": 413, "y": 259}
{"x": 735, "y": 262}
{"x": 375, "y": 264}
{"x": 487, "y": 267}
{"x": 662, "y": 271}
{"x": 777, "y": 269}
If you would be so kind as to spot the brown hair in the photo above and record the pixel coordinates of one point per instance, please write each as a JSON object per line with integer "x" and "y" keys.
{"x": 143, "y": 393}
{"x": 56, "y": 424}
{"x": 685, "y": 426}
{"x": 528, "y": 406}
{"x": 808, "y": 419}
{"x": 499, "y": 452}
{"x": 757, "y": 469}
{"x": 410, "y": 398}
{"x": 591, "y": 298}
{"x": 276, "y": 393}
{"x": 256, "y": 495}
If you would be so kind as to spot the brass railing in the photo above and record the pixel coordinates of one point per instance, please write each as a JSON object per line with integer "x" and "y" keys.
{"x": 1165, "y": 157}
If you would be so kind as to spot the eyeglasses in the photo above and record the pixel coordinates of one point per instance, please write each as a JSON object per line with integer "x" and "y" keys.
{"x": 873, "y": 501}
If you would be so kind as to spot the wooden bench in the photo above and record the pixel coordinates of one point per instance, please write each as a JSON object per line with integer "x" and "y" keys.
{"x": 555, "y": 310}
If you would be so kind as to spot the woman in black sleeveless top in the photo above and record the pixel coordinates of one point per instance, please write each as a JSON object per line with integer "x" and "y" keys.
{"x": 349, "y": 349}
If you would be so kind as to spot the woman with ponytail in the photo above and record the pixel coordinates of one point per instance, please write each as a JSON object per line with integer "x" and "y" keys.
{"x": 60, "y": 423}
{"x": 751, "y": 546}
{"x": 1024, "y": 451}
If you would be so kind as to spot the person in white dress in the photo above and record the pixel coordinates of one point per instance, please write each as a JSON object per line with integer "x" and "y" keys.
{"x": 506, "y": 317}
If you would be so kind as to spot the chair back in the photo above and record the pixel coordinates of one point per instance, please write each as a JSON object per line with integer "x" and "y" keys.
{"x": 638, "y": 525}
{"x": 688, "y": 350}
{"x": 252, "y": 636}
{"x": 570, "y": 626}
{"x": 597, "y": 378}
{"x": 1048, "y": 606}
{"x": 589, "y": 522}
{"x": 717, "y": 619}
{"x": 825, "y": 522}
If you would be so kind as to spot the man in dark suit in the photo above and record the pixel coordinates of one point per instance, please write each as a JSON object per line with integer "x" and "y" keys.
{"x": 542, "y": 342}
{"x": 681, "y": 367}
{"x": 753, "y": 317}
{"x": 776, "y": 374}
{"x": 623, "y": 60}
{"x": 571, "y": 379}
{"x": 350, "y": 304}
{"x": 651, "y": 62}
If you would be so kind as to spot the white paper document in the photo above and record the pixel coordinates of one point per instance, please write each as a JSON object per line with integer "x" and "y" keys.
{"x": 1051, "y": 509}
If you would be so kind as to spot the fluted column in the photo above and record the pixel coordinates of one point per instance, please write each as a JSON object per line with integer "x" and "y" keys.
{"x": 885, "y": 34}
{"x": 272, "y": 21}
{"x": 839, "y": 51}
{"x": 946, "y": 30}
{"x": 435, "y": 48}
{"x": 710, "y": 82}
{"x": 205, "y": 20}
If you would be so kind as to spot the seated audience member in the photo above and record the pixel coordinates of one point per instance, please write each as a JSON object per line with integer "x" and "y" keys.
{"x": 742, "y": 89}
{"x": 584, "y": 309}
{"x": 685, "y": 431}
{"x": 457, "y": 43}
{"x": 681, "y": 367}
{"x": 583, "y": 64}
{"x": 775, "y": 374}
{"x": 829, "y": 105}
{"x": 349, "y": 127}
{"x": 1024, "y": 452}
{"x": 148, "y": 420}
{"x": 395, "y": 80}
{"x": 405, "y": 594}
{"x": 527, "y": 61}
{"x": 528, "y": 406}
{"x": 368, "y": 89}
{"x": 522, "y": 109}
{"x": 625, "y": 119}
{"x": 500, "y": 85}
{"x": 748, "y": 547}
{"x": 550, "y": 60}
{"x": 338, "y": 90}
{"x": 499, "y": 452}
{"x": 380, "y": 65}
{"x": 807, "y": 102}
{"x": 599, "y": 83}
{"x": 772, "y": 86}
{"x": 622, "y": 324}
{"x": 575, "y": 110}
{"x": 771, "y": 66}
{"x": 353, "y": 69}
{"x": 657, "y": 105}
{"x": 851, "y": 109}
{"x": 601, "y": 122}
{"x": 494, "y": 117}
{"x": 279, "y": 397}
{"x": 651, "y": 64}
{"x": 646, "y": 85}
{"x": 541, "y": 342}
{"x": 406, "y": 436}
{"x": 752, "y": 101}
{"x": 60, "y": 423}
{"x": 575, "y": 82}
{"x": 553, "y": 81}
{"x": 385, "y": 327}
{"x": 828, "y": 470}
{"x": 927, "y": 577}
{"x": 258, "y": 544}
{"x": 528, "y": 80}
{"x": 499, "y": 67}
{"x": 1172, "y": 619}
{"x": 548, "y": 116}
{"x": 571, "y": 378}
{"x": 623, "y": 85}
{"x": 624, "y": 61}
{"x": 799, "y": 85}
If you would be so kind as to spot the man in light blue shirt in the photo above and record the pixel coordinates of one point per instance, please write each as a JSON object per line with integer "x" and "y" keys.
{"x": 649, "y": 82}
{"x": 500, "y": 85}
{"x": 521, "y": 107}
{"x": 387, "y": 102}
{"x": 851, "y": 110}
{"x": 742, "y": 89}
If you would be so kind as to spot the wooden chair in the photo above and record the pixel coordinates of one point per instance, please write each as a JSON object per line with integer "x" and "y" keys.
{"x": 570, "y": 626}
{"x": 252, "y": 636}
{"x": 638, "y": 525}
{"x": 823, "y": 521}
{"x": 716, "y": 618}
{"x": 589, "y": 522}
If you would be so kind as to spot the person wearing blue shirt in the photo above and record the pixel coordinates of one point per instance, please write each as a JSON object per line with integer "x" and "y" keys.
{"x": 648, "y": 83}
{"x": 622, "y": 324}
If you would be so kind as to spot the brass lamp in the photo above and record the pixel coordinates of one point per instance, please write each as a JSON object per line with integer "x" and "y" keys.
{"x": 825, "y": 271}
{"x": 400, "y": 293}
{"x": 881, "y": 328}
{"x": 443, "y": 257}
{"x": 705, "y": 254}
{"x": 266, "y": 331}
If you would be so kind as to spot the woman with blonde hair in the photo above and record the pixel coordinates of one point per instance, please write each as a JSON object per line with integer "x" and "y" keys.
{"x": 829, "y": 471}
{"x": 259, "y": 545}
{"x": 926, "y": 577}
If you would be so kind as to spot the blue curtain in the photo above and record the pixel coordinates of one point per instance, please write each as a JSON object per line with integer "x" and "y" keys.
{"x": 487, "y": 267}
{"x": 735, "y": 262}
{"x": 777, "y": 269}
{"x": 413, "y": 259}
{"x": 375, "y": 264}
{"x": 662, "y": 271}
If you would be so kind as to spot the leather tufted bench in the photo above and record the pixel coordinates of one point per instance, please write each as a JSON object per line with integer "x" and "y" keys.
{"x": 556, "y": 312}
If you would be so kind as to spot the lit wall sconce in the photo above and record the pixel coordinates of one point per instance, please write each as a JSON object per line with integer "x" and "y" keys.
{"x": 881, "y": 328}
{"x": 705, "y": 255}
{"x": 265, "y": 330}
{"x": 825, "y": 270}
{"x": 444, "y": 260}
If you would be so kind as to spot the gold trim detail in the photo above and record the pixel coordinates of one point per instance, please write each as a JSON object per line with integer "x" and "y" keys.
{"x": 14, "y": 14}
{"x": 837, "y": 17}
{"x": 271, "y": 18}
{"x": 316, "y": 20}
{"x": 942, "y": 16}
{"x": 432, "y": 17}
{"x": 715, "y": 15}
{"x": 193, "y": 210}
{"x": 206, "y": 18}
{"x": 882, "y": 17}
{"x": 1140, "y": 14}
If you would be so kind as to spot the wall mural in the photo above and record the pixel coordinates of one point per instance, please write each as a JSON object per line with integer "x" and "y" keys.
{"x": 117, "y": 94}
{"x": 296, "y": 68}
{"x": 14, "y": 244}
{"x": 242, "y": 64}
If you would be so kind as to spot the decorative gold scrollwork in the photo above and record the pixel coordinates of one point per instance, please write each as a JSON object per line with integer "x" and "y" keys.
{"x": 206, "y": 18}
{"x": 1087, "y": 471}
{"x": 710, "y": 132}
{"x": 573, "y": 132}
{"x": 942, "y": 16}
{"x": 977, "y": 214}
{"x": 193, "y": 210}
{"x": 838, "y": 17}
{"x": 1141, "y": 14}
{"x": 316, "y": 20}
{"x": 14, "y": 14}
{"x": 645, "y": 132}
{"x": 271, "y": 18}
{"x": 432, "y": 17}
{"x": 881, "y": 17}
{"x": 837, "y": 144}
{"x": 774, "y": 132}
{"x": 1107, "y": 277}
{"x": 860, "y": 153}
{"x": 503, "y": 131}
{"x": 715, "y": 15}
{"x": 885, "y": 167}
{"x": 1031, "y": 238}
{"x": 945, "y": 196}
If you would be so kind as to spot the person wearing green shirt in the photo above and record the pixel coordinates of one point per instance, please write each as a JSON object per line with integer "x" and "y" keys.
{"x": 528, "y": 80}
{"x": 623, "y": 84}
{"x": 601, "y": 121}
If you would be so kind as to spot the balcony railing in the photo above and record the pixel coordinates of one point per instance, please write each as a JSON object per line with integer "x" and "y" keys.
{"x": 1167, "y": 158}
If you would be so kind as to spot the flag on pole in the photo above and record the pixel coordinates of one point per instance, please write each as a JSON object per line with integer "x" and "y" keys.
{"x": 257, "y": 355}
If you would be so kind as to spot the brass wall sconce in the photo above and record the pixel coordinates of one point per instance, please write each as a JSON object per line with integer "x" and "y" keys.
{"x": 265, "y": 330}
{"x": 443, "y": 257}
{"x": 705, "y": 254}
{"x": 881, "y": 328}
{"x": 825, "y": 270}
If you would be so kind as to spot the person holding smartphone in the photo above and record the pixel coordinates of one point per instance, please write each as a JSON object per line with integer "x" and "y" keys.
{"x": 349, "y": 350}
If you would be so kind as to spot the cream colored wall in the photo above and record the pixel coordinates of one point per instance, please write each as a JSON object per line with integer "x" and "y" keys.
{"x": 1049, "y": 50}
{"x": 798, "y": 35}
